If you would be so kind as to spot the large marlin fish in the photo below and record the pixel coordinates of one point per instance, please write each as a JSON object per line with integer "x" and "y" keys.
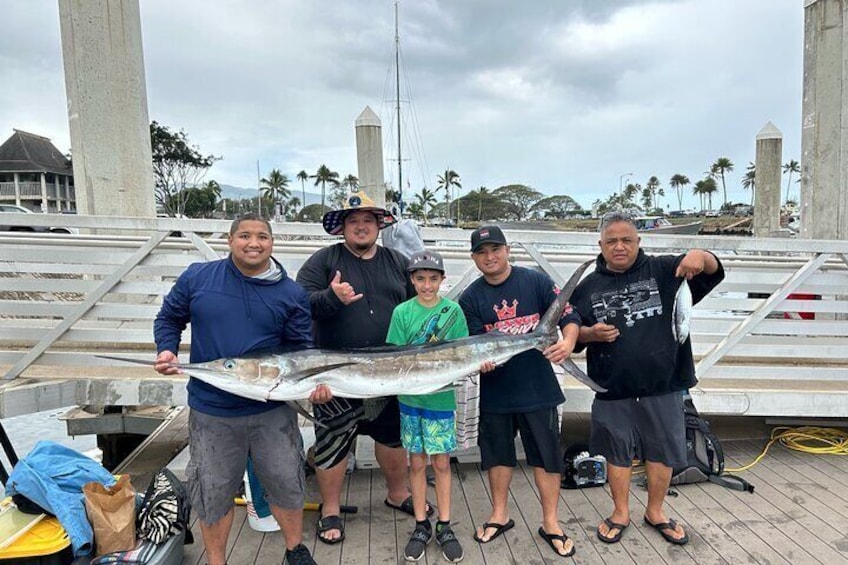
{"x": 380, "y": 371}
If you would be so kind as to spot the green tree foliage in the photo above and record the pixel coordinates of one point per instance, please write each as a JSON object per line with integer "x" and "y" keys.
{"x": 705, "y": 189}
{"x": 555, "y": 207}
{"x": 425, "y": 200}
{"x": 654, "y": 191}
{"x": 275, "y": 188}
{"x": 446, "y": 182}
{"x": 312, "y": 213}
{"x": 325, "y": 176}
{"x": 619, "y": 201}
{"x": 302, "y": 176}
{"x": 416, "y": 211}
{"x": 647, "y": 198}
{"x": 517, "y": 200}
{"x": 721, "y": 166}
{"x": 788, "y": 168}
{"x": 351, "y": 183}
{"x": 749, "y": 180}
{"x": 292, "y": 206}
{"x": 677, "y": 182}
{"x": 338, "y": 195}
{"x": 482, "y": 192}
{"x": 177, "y": 165}
{"x": 392, "y": 197}
{"x": 198, "y": 202}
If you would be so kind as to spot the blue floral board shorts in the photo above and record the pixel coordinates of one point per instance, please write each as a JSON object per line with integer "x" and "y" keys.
{"x": 427, "y": 431}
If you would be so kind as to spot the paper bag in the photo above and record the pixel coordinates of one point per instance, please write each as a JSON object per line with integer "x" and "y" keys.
{"x": 111, "y": 512}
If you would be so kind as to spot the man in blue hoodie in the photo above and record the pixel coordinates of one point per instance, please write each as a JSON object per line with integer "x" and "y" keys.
{"x": 635, "y": 350}
{"x": 238, "y": 305}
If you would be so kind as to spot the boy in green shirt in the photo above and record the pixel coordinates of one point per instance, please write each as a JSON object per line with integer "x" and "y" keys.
{"x": 427, "y": 421}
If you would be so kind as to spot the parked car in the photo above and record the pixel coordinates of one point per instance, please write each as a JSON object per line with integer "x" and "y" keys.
{"x": 15, "y": 209}
{"x": 712, "y": 213}
{"x": 743, "y": 210}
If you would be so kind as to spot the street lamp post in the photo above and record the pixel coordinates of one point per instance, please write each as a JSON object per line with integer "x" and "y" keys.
{"x": 621, "y": 186}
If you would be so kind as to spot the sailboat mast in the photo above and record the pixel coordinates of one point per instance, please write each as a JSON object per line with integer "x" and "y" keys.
{"x": 397, "y": 108}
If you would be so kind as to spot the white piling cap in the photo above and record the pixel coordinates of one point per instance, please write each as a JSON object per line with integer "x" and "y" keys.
{"x": 367, "y": 118}
{"x": 769, "y": 131}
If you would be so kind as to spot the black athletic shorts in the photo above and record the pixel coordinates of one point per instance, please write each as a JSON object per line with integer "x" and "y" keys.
{"x": 344, "y": 419}
{"x": 539, "y": 434}
{"x": 652, "y": 426}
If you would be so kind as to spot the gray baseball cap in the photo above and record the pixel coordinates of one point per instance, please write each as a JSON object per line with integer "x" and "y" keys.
{"x": 426, "y": 260}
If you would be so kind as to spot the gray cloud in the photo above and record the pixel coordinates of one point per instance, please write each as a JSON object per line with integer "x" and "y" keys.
{"x": 564, "y": 96}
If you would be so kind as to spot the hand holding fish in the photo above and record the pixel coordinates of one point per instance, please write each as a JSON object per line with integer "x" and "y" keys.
{"x": 321, "y": 395}
{"x": 344, "y": 291}
{"x": 696, "y": 262}
{"x": 559, "y": 351}
{"x": 601, "y": 332}
{"x": 487, "y": 367}
{"x": 164, "y": 363}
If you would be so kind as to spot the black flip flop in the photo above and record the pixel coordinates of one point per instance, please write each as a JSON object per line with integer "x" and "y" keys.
{"x": 550, "y": 538}
{"x": 407, "y": 507}
{"x": 664, "y": 527}
{"x": 327, "y": 523}
{"x": 499, "y": 529}
{"x": 612, "y": 526}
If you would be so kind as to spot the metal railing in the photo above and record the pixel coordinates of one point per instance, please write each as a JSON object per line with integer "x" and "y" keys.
{"x": 772, "y": 339}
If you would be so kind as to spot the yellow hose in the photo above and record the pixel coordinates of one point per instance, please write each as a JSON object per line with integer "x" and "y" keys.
{"x": 806, "y": 439}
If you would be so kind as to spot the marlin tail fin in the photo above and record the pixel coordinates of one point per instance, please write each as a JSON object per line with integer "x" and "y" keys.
{"x": 549, "y": 321}
{"x": 572, "y": 369}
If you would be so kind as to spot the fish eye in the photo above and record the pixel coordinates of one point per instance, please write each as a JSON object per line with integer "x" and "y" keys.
{"x": 229, "y": 364}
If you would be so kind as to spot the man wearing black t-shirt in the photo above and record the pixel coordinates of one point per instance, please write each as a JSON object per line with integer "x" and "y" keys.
{"x": 522, "y": 395}
{"x": 353, "y": 288}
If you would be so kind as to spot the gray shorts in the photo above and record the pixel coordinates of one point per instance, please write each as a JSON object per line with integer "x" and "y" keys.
{"x": 650, "y": 426}
{"x": 219, "y": 448}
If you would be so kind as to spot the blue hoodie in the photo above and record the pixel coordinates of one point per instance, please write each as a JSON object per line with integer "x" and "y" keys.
{"x": 231, "y": 315}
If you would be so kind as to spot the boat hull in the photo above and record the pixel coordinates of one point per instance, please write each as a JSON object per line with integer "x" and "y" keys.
{"x": 690, "y": 229}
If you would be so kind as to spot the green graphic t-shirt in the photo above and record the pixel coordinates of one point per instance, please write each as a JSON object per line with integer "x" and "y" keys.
{"x": 413, "y": 324}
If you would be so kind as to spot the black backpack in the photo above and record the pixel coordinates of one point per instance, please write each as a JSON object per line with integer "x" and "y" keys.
{"x": 165, "y": 509}
{"x": 705, "y": 458}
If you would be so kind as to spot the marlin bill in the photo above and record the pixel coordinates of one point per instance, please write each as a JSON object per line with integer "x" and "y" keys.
{"x": 380, "y": 371}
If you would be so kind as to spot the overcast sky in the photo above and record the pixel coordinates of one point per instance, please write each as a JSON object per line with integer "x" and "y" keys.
{"x": 562, "y": 95}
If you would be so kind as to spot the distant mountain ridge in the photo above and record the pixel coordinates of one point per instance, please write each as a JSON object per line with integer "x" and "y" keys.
{"x": 239, "y": 193}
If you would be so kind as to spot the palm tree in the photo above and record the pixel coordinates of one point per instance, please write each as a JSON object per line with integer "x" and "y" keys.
{"x": 721, "y": 166}
{"x": 677, "y": 182}
{"x": 350, "y": 182}
{"x": 449, "y": 179}
{"x": 706, "y": 187}
{"x": 426, "y": 199}
{"x": 748, "y": 181}
{"x": 276, "y": 187}
{"x": 323, "y": 176}
{"x": 291, "y": 207}
{"x": 653, "y": 186}
{"x": 481, "y": 192}
{"x": 302, "y": 176}
{"x": 791, "y": 167}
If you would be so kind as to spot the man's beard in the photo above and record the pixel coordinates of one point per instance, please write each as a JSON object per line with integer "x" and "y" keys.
{"x": 362, "y": 247}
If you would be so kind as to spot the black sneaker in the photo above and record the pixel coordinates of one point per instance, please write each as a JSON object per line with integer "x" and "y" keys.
{"x": 298, "y": 556}
{"x": 417, "y": 544}
{"x": 451, "y": 548}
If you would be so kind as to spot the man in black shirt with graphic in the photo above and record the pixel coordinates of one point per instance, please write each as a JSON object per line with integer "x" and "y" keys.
{"x": 644, "y": 360}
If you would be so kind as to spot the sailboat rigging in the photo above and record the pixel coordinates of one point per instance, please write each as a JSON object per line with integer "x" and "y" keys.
{"x": 397, "y": 110}
{"x": 408, "y": 128}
